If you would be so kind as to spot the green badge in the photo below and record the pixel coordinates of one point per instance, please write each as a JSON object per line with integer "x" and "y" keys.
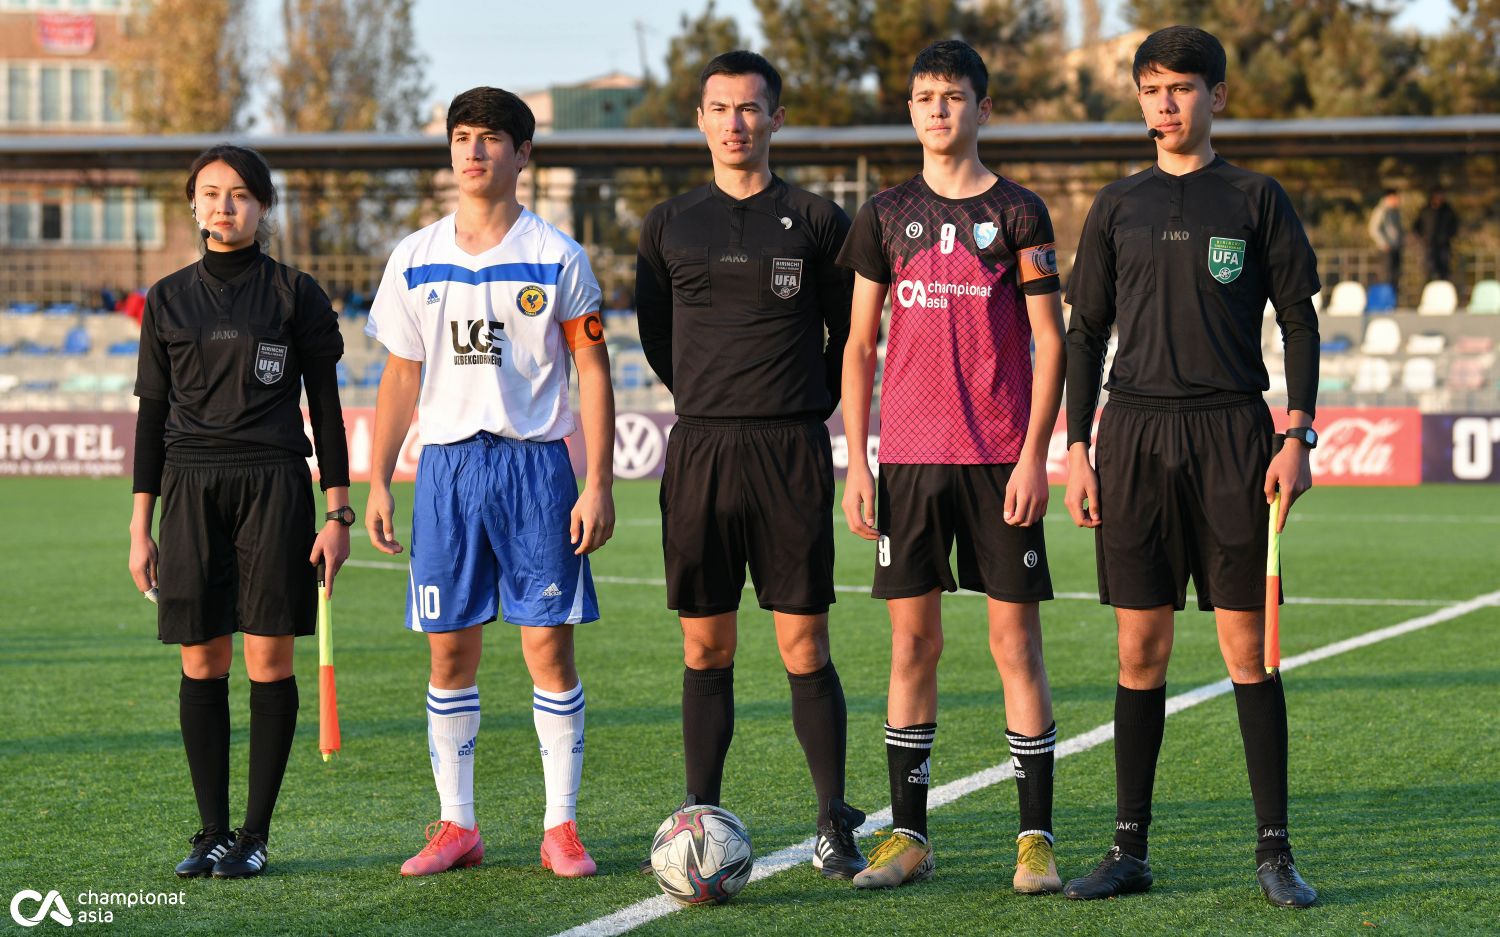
{"x": 1226, "y": 258}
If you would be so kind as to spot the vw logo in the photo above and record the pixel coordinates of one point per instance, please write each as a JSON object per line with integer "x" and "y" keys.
{"x": 639, "y": 444}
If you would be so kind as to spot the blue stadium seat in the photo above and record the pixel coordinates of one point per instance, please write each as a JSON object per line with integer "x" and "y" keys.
{"x": 1336, "y": 344}
{"x": 1381, "y": 297}
{"x": 77, "y": 341}
{"x": 342, "y": 370}
{"x": 373, "y": 372}
{"x": 128, "y": 347}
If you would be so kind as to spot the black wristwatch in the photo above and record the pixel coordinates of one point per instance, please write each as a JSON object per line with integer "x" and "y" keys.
{"x": 344, "y": 515}
{"x": 1306, "y": 434}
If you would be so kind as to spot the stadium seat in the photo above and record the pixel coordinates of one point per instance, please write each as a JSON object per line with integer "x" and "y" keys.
{"x": 1382, "y": 337}
{"x": 1373, "y": 376}
{"x": 1465, "y": 374}
{"x": 373, "y": 372}
{"x": 1347, "y": 299}
{"x": 1336, "y": 344}
{"x": 124, "y": 348}
{"x": 76, "y": 342}
{"x": 1474, "y": 345}
{"x": 1426, "y": 343}
{"x": 1419, "y": 375}
{"x": 1485, "y": 300}
{"x": 341, "y": 371}
{"x": 9, "y": 382}
{"x": 1439, "y": 298}
{"x": 1317, "y": 301}
{"x": 1333, "y": 383}
{"x": 1381, "y": 298}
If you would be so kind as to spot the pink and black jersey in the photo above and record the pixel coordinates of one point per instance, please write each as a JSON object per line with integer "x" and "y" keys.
{"x": 957, "y": 384}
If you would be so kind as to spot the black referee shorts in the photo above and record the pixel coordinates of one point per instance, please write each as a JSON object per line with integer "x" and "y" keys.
{"x": 922, "y": 509}
{"x": 236, "y": 528}
{"x": 756, "y": 492}
{"x": 1181, "y": 493}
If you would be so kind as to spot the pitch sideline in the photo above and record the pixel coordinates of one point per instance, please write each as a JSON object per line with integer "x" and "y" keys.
{"x": 650, "y": 909}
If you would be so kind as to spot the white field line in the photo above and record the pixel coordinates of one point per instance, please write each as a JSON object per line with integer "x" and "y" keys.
{"x": 650, "y": 909}
{"x": 1071, "y": 596}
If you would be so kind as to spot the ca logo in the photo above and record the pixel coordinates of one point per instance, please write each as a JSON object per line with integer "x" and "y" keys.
{"x": 53, "y": 903}
{"x": 638, "y": 445}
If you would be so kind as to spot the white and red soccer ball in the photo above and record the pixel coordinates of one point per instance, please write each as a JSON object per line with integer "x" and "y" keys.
{"x": 701, "y": 854}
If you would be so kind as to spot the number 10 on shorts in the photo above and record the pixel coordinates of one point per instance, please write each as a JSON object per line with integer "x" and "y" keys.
{"x": 427, "y": 602}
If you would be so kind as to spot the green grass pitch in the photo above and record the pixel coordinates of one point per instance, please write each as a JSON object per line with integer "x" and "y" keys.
{"x": 1395, "y": 747}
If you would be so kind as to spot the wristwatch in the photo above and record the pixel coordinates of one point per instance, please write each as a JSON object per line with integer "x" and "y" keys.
{"x": 344, "y": 515}
{"x": 1306, "y": 434}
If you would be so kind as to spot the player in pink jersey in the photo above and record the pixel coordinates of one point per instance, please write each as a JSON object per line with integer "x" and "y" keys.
{"x": 968, "y": 259}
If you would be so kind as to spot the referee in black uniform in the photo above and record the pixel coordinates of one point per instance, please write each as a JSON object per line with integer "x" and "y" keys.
{"x": 227, "y": 346}
{"x": 1183, "y": 258}
{"x": 737, "y": 285}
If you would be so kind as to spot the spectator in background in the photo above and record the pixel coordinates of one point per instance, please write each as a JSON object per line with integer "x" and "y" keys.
{"x": 1387, "y": 232}
{"x": 1436, "y": 226}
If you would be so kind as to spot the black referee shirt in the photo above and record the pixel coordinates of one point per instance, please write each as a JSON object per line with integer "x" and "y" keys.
{"x": 733, "y": 299}
{"x": 1185, "y": 265}
{"x": 228, "y": 355}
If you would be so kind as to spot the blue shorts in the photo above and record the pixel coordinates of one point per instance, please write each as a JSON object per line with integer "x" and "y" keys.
{"x": 490, "y": 521}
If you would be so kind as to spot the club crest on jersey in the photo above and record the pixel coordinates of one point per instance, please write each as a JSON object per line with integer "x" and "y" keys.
{"x": 270, "y": 362}
{"x": 532, "y": 300}
{"x": 786, "y": 276}
{"x": 984, "y": 234}
{"x": 1226, "y": 259}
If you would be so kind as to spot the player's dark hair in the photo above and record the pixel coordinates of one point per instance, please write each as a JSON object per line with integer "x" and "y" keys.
{"x": 492, "y": 109}
{"x": 951, "y": 59}
{"x": 741, "y": 62}
{"x": 248, "y": 163}
{"x": 1187, "y": 50}
{"x": 1388, "y": 193}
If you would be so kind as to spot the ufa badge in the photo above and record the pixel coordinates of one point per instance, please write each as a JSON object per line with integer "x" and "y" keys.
{"x": 786, "y": 276}
{"x": 270, "y": 362}
{"x": 1226, "y": 258}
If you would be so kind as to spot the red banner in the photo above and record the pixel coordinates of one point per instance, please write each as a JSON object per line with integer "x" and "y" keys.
{"x": 66, "y": 33}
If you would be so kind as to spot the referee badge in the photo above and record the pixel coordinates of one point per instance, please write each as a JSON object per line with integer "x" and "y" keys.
{"x": 1226, "y": 258}
{"x": 786, "y": 276}
{"x": 270, "y": 362}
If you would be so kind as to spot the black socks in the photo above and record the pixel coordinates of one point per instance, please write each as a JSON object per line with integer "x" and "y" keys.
{"x": 203, "y": 710}
{"x": 1262, "y": 711}
{"x": 273, "y": 723}
{"x": 1140, "y": 719}
{"x": 707, "y": 729}
{"x": 822, "y": 724}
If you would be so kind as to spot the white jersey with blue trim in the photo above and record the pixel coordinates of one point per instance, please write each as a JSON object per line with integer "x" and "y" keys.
{"x": 487, "y": 328}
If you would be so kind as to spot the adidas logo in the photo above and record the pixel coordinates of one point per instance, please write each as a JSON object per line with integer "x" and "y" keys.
{"x": 578, "y": 748}
{"x": 468, "y": 747}
{"x": 918, "y": 774}
{"x": 432, "y": 297}
{"x": 551, "y": 592}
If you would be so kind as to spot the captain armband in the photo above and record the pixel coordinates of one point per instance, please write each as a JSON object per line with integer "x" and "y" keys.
{"x": 584, "y": 331}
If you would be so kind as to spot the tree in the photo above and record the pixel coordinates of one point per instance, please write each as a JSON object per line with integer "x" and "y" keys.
{"x": 346, "y": 65}
{"x": 674, "y": 101}
{"x": 182, "y": 67}
{"x": 1305, "y": 58}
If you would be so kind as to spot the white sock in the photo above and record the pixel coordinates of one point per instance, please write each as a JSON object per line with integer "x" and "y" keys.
{"x": 452, "y": 728}
{"x": 559, "y": 731}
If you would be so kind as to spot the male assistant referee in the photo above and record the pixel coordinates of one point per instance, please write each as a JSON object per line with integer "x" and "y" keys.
{"x": 736, "y": 285}
{"x": 1184, "y": 257}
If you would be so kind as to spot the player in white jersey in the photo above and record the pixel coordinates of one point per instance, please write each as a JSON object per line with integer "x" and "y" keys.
{"x": 488, "y": 302}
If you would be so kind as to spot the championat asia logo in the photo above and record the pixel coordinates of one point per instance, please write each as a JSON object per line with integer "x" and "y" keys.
{"x": 532, "y": 300}
{"x": 53, "y": 904}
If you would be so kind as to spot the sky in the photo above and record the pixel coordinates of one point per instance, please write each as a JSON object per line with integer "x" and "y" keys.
{"x": 524, "y": 46}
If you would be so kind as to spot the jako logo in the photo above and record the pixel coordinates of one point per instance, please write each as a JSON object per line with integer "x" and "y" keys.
{"x": 52, "y": 903}
{"x": 734, "y": 257}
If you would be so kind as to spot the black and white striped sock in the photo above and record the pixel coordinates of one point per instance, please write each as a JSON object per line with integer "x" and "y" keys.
{"x": 1033, "y": 758}
{"x": 908, "y": 751}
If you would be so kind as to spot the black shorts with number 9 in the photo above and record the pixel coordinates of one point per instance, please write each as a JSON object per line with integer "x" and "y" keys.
{"x": 922, "y": 509}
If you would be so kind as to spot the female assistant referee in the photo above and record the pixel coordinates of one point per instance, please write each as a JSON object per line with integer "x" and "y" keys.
{"x": 227, "y": 346}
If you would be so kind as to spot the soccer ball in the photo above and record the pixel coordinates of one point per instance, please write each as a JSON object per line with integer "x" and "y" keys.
{"x": 701, "y": 854}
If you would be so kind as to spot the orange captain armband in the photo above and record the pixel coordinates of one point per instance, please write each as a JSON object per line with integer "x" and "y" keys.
{"x": 1038, "y": 262}
{"x": 584, "y": 331}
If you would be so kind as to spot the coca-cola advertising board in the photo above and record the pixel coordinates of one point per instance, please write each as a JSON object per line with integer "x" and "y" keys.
{"x": 1461, "y": 447}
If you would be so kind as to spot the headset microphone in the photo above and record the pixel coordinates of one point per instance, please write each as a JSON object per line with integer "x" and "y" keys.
{"x": 1154, "y": 134}
{"x": 206, "y": 234}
